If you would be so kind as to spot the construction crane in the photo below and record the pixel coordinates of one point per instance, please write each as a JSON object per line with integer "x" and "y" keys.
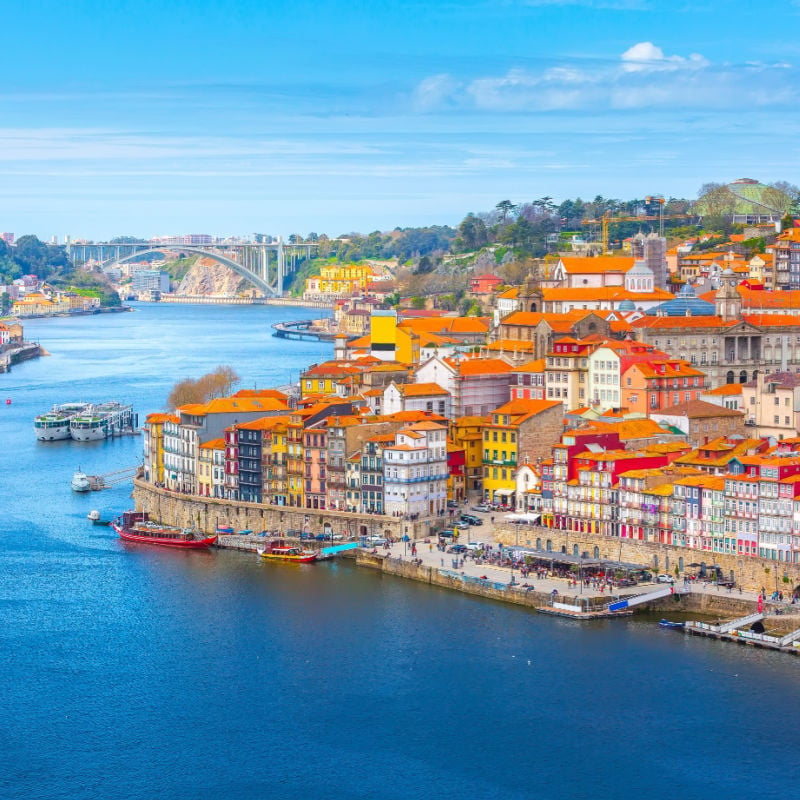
{"x": 607, "y": 218}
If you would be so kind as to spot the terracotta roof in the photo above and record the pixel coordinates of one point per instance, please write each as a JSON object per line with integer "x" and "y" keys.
{"x": 535, "y": 366}
{"x": 160, "y": 418}
{"x": 421, "y": 389}
{"x": 263, "y": 423}
{"x": 213, "y": 444}
{"x": 675, "y": 323}
{"x": 699, "y": 409}
{"x": 604, "y": 293}
{"x": 726, "y": 389}
{"x": 598, "y": 265}
{"x": 480, "y": 366}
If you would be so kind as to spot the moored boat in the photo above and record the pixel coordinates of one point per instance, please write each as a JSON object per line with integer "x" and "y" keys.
{"x": 665, "y": 623}
{"x": 54, "y": 425}
{"x": 102, "y": 421}
{"x": 279, "y": 550}
{"x": 136, "y": 526}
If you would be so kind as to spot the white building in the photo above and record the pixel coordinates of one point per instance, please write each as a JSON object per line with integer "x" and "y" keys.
{"x": 415, "y": 471}
{"x": 427, "y": 397}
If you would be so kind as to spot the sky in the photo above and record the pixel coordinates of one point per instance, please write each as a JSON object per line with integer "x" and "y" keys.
{"x": 229, "y": 117}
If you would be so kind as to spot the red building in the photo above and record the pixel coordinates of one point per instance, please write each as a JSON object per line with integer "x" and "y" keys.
{"x": 484, "y": 284}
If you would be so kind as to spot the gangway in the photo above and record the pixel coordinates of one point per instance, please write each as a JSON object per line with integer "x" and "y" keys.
{"x": 735, "y": 624}
{"x": 638, "y": 599}
{"x": 790, "y": 638}
{"x": 338, "y": 548}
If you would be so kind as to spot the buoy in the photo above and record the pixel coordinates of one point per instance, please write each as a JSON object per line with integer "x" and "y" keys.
{"x": 8, "y": 401}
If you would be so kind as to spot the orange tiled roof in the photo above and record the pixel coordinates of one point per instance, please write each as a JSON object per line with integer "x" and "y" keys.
{"x": 421, "y": 389}
{"x": 603, "y": 293}
{"x": 594, "y": 266}
{"x": 213, "y": 444}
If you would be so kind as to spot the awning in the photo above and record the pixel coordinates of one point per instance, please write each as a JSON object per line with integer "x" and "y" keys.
{"x": 504, "y": 492}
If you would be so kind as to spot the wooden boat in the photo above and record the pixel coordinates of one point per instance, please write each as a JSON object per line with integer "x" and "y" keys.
{"x": 135, "y": 526}
{"x": 279, "y": 550}
{"x": 665, "y": 623}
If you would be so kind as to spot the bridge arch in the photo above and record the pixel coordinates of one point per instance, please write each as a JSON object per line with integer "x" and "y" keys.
{"x": 256, "y": 280}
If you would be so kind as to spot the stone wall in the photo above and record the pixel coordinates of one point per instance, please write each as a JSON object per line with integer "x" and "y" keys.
{"x": 750, "y": 573}
{"x": 204, "y": 514}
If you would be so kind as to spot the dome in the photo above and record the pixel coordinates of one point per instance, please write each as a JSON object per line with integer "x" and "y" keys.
{"x": 627, "y": 305}
{"x": 747, "y": 198}
{"x": 687, "y": 303}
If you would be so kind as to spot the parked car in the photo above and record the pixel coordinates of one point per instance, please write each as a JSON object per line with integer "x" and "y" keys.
{"x": 473, "y": 546}
{"x": 303, "y": 535}
{"x": 482, "y": 507}
{"x": 623, "y": 582}
{"x": 665, "y": 579}
{"x": 452, "y": 504}
{"x": 471, "y": 520}
{"x": 458, "y": 548}
{"x": 462, "y": 526}
{"x": 376, "y": 539}
{"x": 446, "y": 534}
{"x": 298, "y": 534}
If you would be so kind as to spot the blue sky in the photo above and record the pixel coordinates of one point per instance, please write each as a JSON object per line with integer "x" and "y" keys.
{"x": 228, "y": 117}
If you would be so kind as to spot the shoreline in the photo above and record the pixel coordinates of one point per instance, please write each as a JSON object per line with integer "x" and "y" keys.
{"x": 723, "y": 608}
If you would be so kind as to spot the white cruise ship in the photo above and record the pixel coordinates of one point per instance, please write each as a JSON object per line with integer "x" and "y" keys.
{"x": 54, "y": 425}
{"x": 102, "y": 421}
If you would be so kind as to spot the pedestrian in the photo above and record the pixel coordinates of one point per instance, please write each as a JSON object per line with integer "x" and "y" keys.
{"x": 442, "y": 562}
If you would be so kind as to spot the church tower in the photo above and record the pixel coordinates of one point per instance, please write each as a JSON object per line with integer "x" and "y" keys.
{"x": 530, "y": 294}
{"x": 728, "y": 301}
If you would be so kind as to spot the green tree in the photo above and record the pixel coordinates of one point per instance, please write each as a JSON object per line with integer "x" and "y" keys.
{"x": 505, "y": 207}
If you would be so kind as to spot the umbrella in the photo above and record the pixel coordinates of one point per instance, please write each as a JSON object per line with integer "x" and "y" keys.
{"x": 695, "y": 564}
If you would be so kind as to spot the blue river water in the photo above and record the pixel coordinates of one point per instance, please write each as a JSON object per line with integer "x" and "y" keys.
{"x": 135, "y": 672}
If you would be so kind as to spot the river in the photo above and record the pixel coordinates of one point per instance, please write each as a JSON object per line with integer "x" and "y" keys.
{"x": 135, "y": 672}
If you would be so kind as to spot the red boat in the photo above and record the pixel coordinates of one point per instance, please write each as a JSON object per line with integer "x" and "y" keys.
{"x": 136, "y": 526}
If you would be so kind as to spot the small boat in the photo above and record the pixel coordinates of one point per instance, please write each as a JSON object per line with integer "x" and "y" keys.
{"x": 81, "y": 482}
{"x": 224, "y": 530}
{"x": 279, "y": 550}
{"x": 94, "y": 516}
{"x": 136, "y": 526}
{"x": 665, "y": 623}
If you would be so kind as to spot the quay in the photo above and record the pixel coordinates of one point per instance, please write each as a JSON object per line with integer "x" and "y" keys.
{"x": 302, "y": 330}
{"x": 19, "y": 353}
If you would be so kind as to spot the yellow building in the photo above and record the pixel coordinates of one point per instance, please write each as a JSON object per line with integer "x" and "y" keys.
{"x": 466, "y": 433}
{"x": 210, "y": 454}
{"x": 154, "y": 446}
{"x": 525, "y": 427}
{"x": 36, "y": 304}
{"x": 337, "y": 281}
{"x": 389, "y": 341}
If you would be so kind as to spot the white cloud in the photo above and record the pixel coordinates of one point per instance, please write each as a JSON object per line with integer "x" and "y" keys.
{"x": 642, "y": 77}
{"x": 646, "y": 57}
{"x": 435, "y": 91}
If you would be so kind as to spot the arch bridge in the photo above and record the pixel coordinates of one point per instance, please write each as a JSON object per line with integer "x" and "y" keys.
{"x": 263, "y": 265}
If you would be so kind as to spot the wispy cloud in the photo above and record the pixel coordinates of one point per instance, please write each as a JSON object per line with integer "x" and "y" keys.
{"x": 643, "y": 76}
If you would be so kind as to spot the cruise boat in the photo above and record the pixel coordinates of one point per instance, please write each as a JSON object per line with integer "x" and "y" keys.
{"x": 102, "y": 421}
{"x": 54, "y": 425}
{"x": 279, "y": 550}
{"x": 136, "y": 526}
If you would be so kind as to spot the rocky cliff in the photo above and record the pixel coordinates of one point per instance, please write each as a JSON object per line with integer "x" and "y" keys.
{"x": 207, "y": 277}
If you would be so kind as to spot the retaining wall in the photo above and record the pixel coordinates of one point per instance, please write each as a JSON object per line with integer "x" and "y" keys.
{"x": 750, "y": 573}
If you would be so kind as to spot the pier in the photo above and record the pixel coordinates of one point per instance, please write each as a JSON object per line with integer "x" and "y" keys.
{"x": 302, "y": 330}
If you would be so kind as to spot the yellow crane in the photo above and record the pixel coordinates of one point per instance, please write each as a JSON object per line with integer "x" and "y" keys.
{"x": 607, "y": 219}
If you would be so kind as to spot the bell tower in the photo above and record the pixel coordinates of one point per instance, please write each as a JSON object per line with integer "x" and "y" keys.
{"x": 728, "y": 301}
